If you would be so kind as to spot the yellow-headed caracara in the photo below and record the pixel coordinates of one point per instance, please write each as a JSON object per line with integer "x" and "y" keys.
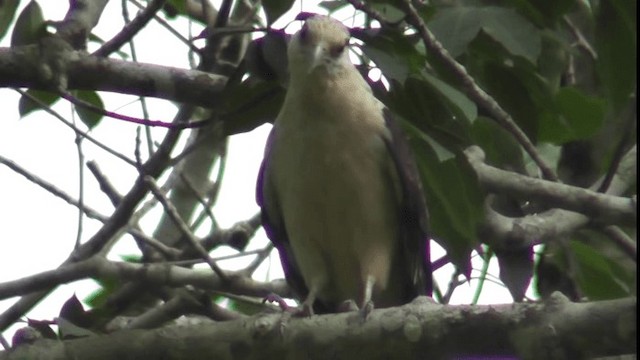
{"x": 339, "y": 191}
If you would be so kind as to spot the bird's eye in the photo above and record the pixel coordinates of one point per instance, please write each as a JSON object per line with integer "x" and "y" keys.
{"x": 338, "y": 50}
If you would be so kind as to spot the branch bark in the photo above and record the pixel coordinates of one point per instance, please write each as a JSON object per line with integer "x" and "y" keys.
{"x": 609, "y": 209}
{"x": 557, "y": 329}
{"x": 20, "y": 68}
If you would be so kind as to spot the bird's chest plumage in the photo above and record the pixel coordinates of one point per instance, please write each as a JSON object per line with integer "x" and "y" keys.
{"x": 332, "y": 175}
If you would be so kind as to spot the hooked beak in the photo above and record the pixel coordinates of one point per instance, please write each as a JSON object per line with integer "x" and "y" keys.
{"x": 317, "y": 57}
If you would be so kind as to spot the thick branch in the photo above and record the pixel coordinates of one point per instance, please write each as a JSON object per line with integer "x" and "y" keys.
{"x": 19, "y": 68}
{"x": 557, "y": 329}
{"x": 604, "y": 208}
{"x": 554, "y": 223}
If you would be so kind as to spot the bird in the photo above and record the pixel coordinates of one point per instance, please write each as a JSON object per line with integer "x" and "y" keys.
{"x": 338, "y": 188}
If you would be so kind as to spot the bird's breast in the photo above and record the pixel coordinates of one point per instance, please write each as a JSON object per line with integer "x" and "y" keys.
{"x": 331, "y": 173}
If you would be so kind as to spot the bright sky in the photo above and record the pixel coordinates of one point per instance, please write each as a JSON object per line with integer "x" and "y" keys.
{"x": 38, "y": 230}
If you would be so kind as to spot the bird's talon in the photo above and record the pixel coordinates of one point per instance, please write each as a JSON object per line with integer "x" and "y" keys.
{"x": 274, "y": 298}
{"x": 347, "y": 306}
{"x": 366, "y": 309}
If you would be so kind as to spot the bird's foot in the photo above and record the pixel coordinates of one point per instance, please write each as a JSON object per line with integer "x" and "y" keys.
{"x": 282, "y": 304}
{"x": 366, "y": 309}
{"x": 287, "y": 311}
{"x": 362, "y": 311}
{"x": 347, "y": 306}
{"x": 306, "y": 310}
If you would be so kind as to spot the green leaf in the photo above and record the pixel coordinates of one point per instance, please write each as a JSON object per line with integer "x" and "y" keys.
{"x": 88, "y": 116}
{"x": 501, "y": 149}
{"x": 176, "y": 7}
{"x": 100, "y": 296}
{"x": 26, "y": 105}
{"x": 525, "y": 95}
{"x": 332, "y": 6}
{"x": 392, "y": 52}
{"x": 544, "y": 13}
{"x": 29, "y": 25}
{"x": 442, "y": 153}
{"x": 76, "y": 317}
{"x": 69, "y": 330}
{"x": 276, "y": 8}
{"x": 43, "y": 327}
{"x": 422, "y": 104}
{"x": 454, "y": 200}
{"x": 616, "y": 44}
{"x": 580, "y": 117}
{"x": 246, "y": 307}
{"x": 251, "y": 104}
{"x": 266, "y": 57}
{"x": 516, "y": 270}
{"x": 7, "y": 12}
{"x": 465, "y": 106}
{"x": 554, "y": 59}
{"x": 132, "y": 258}
{"x": 597, "y": 274}
{"x": 456, "y": 27}
{"x": 389, "y": 12}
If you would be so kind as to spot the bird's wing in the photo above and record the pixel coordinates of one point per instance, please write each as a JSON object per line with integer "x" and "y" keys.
{"x": 413, "y": 214}
{"x": 273, "y": 223}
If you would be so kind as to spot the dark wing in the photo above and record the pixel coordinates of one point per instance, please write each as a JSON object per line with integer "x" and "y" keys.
{"x": 413, "y": 211}
{"x": 273, "y": 223}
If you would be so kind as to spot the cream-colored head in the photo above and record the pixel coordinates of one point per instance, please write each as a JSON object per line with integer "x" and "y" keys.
{"x": 320, "y": 46}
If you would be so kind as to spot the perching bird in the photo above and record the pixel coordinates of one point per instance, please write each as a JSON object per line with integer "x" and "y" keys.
{"x": 340, "y": 195}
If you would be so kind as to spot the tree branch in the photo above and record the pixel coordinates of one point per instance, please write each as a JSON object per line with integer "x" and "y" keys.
{"x": 600, "y": 207}
{"x": 19, "y": 68}
{"x": 130, "y": 29}
{"x": 557, "y": 329}
{"x": 160, "y": 274}
{"x": 537, "y": 228}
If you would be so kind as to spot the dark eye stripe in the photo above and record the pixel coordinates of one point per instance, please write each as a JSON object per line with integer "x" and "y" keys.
{"x": 338, "y": 49}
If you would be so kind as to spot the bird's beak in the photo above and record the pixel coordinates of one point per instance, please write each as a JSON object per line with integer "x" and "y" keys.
{"x": 316, "y": 57}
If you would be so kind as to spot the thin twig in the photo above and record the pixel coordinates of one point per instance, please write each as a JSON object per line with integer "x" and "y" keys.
{"x": 155, "y": 123}
{"x": 622, "y": 240}
{"x": 453, "y": 284}
{"x": 628, "y": 133}
{"x": 262, "y": 255}
{"x": 170, "y": 28}
{"x": 104, "y": 183}
{"x": 364, "y": 7}
{"x": 206, "y": 204}
{"x": 55, "y": 191}
{"x": 215, "y": 190}
{"x": 89, "y": 212}
{"x": 47, "y": 109}
{"x": 182, "y": 226}
{"x": 191, "y": 262}
{"x": 581, "y": 41}
{"x": 157, "y": 274}
{"x": 486, "y": 259}
{"x": 130, "y": 29}
{"x": 78, "y": 142}
{"x": 134, "y": 58}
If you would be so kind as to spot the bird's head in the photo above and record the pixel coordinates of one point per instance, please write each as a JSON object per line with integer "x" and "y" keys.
{"x": 321, "y": 45}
